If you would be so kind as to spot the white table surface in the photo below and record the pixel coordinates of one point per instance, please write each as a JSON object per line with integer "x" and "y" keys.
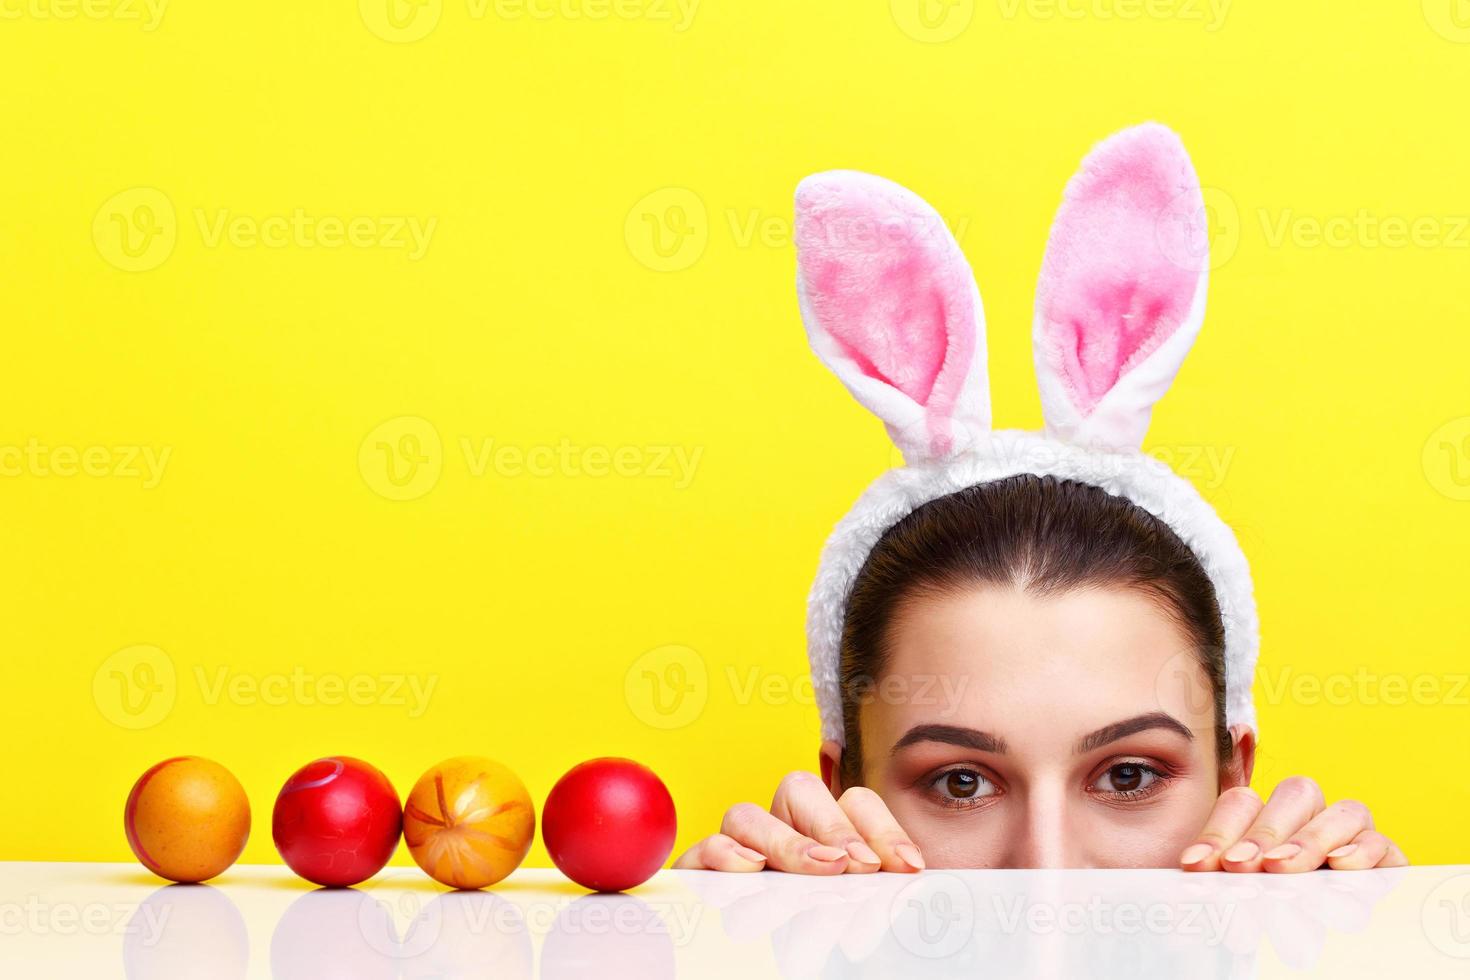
{"x": 102, "y": 920}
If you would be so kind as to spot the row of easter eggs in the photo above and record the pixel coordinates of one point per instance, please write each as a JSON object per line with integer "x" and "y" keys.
{"x": 608, "y": 824}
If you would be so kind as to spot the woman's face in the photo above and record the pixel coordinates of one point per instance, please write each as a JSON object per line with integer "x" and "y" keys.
{"x": 1017, "y": 731}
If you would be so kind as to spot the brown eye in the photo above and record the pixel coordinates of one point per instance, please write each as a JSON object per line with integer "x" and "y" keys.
{"x": 1125, "y": 779}
{"x": 961, "y": 785}
{"x": 958, "y": 787}
{"x": 1129, "y": 780}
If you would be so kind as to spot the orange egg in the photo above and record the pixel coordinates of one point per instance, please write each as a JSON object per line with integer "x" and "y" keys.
{"x": 469, "y": 822}
{"x": 187, "y": 819}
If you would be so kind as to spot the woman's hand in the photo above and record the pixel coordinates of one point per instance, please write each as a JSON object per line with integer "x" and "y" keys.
{"x": 1294, "y": 831}
{"x": 808, "y": 832}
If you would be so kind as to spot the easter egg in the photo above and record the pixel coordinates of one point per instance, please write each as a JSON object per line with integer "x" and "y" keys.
{"x": 468, "y": 822}
{"x": 336, "y": 821}
{"x": 609, "y": 824}
{"x": 187, "y": 819}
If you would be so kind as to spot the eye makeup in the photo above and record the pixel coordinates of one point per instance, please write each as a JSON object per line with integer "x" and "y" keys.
{"x": 1119, "y": 781}
{"x": 964, "y": 786}
{"x": 1127, "y": 780}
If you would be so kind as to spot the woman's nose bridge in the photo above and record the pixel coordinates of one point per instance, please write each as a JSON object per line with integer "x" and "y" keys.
{"x": 1044, "y": 838}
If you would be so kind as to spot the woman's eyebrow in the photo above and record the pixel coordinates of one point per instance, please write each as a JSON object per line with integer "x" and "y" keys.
{"x": 970, "y": 738}
{"x": 1132, "y": 726}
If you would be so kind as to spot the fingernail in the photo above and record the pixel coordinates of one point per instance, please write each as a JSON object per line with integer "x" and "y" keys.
{"x": 1196, "y": 853}
{"x": 1284, "y": 852}
{"x": 863, "y": 853}
{"x": 754, "y": 857}
{"x": 821, "y": 852}
{"x": 910, "y": 855}
{"x": 1244, "y": 851}
{"x": 1343, "y": 851}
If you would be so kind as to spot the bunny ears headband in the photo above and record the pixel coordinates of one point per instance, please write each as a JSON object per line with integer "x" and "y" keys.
{"x": 891, "y": 307}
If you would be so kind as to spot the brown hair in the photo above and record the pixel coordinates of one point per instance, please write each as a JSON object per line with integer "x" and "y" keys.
{"x": 1040, "y": 534}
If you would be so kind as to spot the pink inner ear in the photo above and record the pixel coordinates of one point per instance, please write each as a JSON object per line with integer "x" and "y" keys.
{"x": 1124, "y": 261}
{"x": 885, "y": 280}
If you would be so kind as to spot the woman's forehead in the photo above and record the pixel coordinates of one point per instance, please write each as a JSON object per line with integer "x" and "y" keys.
{"x": 1059, "y": 664}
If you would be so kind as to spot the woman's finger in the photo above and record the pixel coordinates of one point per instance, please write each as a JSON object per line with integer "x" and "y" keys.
{"x": 785, "y": 849}
{"x": 804, "y": 802}
{"x": 1292, "y": 805}
{"x": 721, "y": 853}
{"x": 1234, "y": 812}
{"x": 885, "y": 838}
{"x": 1369, "y": 849}
{"x": 1395, "y": 858}
{"x": 1307, "y": 849}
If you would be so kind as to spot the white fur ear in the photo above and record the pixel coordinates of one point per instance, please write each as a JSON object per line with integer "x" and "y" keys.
{"x": 1122, "y": 291}
{"x": 891, "y": 307}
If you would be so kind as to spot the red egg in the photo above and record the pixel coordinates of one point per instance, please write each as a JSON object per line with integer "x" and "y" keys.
{"x": 337, "y": 821}
{"x": 609, "y": 824}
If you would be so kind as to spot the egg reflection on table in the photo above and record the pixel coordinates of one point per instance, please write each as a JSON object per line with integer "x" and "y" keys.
{"x": 475, "y": 935}
{"x": 186, "y": 931}
{"x": 609, "y": 936}
{"x": 334, "y": 934}
{"x": 395, "y": 927}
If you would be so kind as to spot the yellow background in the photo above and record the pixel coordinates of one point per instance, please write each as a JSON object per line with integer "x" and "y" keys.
{"x": 547, "y": 144}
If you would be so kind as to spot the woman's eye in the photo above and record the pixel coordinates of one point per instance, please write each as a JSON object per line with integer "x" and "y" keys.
{"x": 1126, "y": 778}
{"x": 960, "y": 785}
